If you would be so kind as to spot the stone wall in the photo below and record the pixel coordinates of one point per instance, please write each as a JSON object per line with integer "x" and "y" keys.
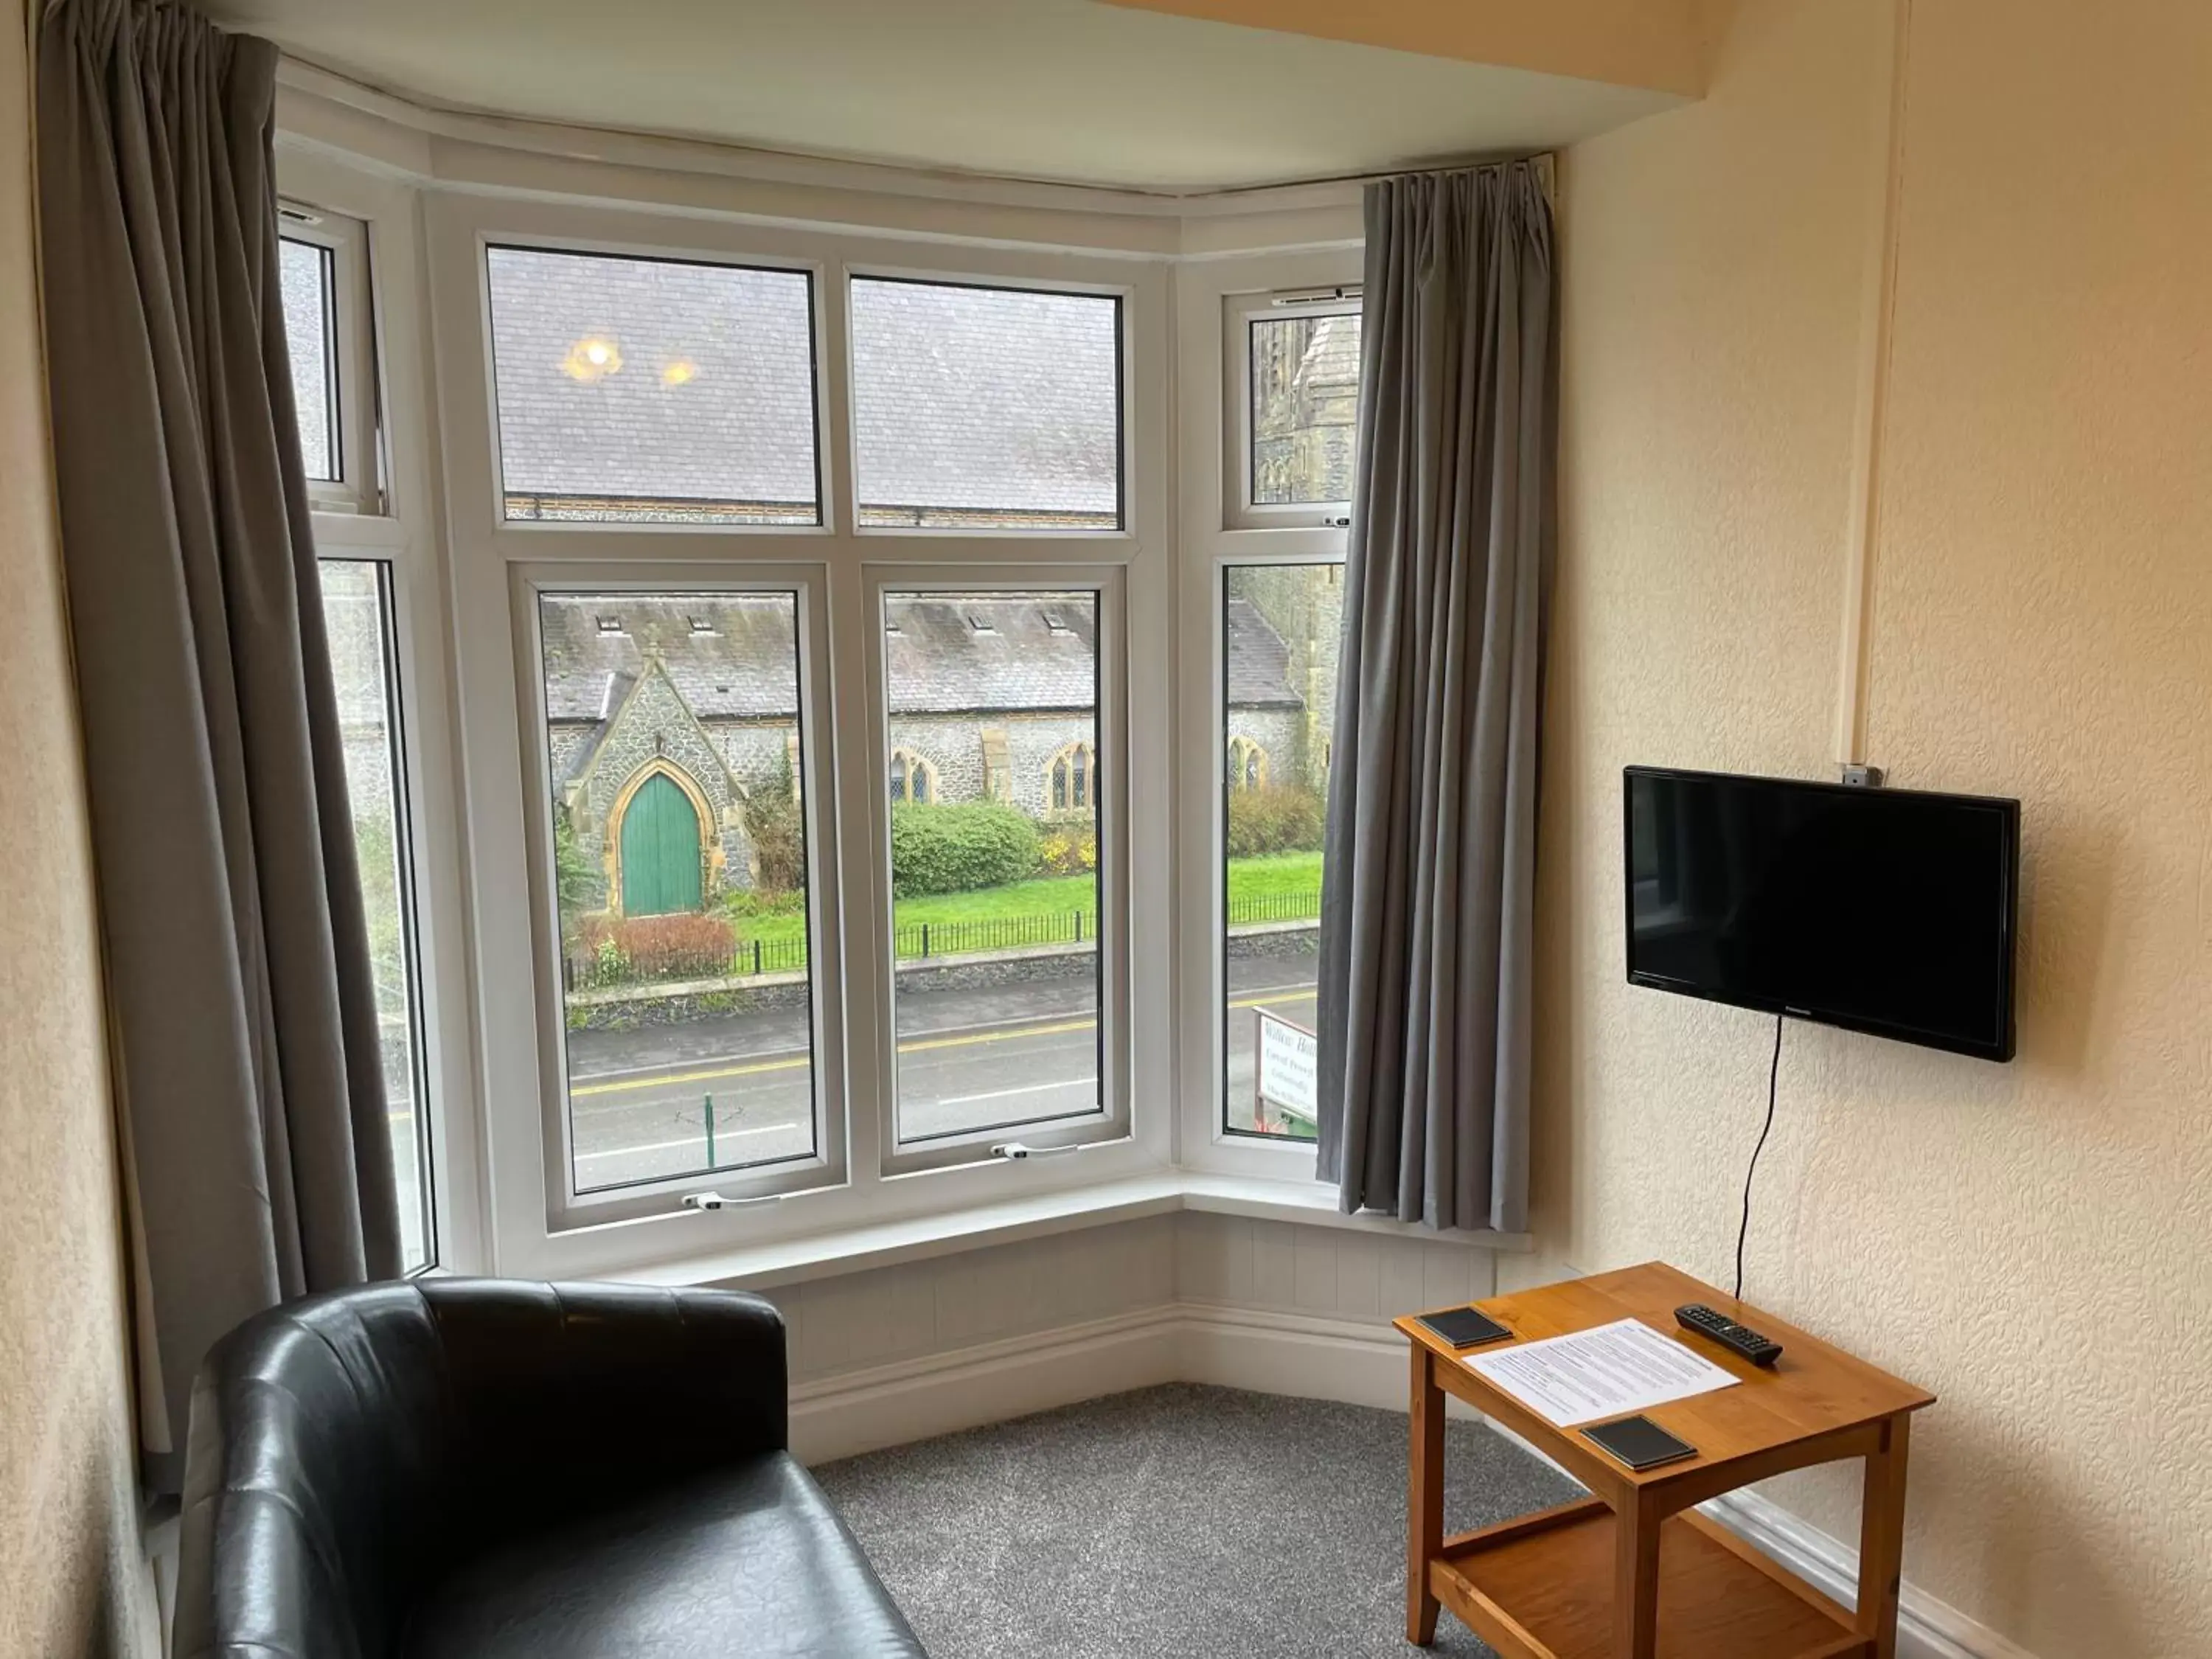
{"x": 1280, "y": 733}
{"x": 1304, "y": 603}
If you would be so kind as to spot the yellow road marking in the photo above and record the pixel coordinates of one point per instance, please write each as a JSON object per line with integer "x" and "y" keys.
{"x": 969, "y": 1040}
{"x": 1305, "y": 993}
{"x": 963, "y": 1041}
{"x": 797, "y": 1063}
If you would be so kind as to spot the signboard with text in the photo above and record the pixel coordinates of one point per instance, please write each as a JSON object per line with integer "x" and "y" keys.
{"x": 1288, "y": 1064}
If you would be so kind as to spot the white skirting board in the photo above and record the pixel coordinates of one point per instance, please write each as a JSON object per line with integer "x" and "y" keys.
{"x": 1272, "y": 1352}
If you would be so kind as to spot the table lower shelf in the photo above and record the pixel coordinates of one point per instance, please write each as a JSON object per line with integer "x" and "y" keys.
{"x": 1541, "y": 1588}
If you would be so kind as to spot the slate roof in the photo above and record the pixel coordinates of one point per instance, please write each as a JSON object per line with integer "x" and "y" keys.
{"x": 745, "y": 669}
{"x": 939, "y": 662}
{"x": 990, "y": 399}
{"x": 1259, "y": 663}
{"x": 986, "y": 397}
{"x": 740, "y": 428}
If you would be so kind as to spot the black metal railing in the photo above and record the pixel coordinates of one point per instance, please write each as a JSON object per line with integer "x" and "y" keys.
{"x": 609, "y": 967}
{"x": 1303, "y": 906}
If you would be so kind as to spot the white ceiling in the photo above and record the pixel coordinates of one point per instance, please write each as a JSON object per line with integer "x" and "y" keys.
{"x": 1056, "y": 89}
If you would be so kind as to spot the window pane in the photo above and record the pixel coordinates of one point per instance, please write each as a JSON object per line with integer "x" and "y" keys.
{"x": 356, "y": 614}
{"x": 994, "y": 876}
{"x": 303, "y": 272}
{"x": 987, "y": 408}
{"x": 652, "y": 389}
{"x": 672, "y": 735}
{"x": 1305, "y": 409}
{"x": 1280, "y": 636}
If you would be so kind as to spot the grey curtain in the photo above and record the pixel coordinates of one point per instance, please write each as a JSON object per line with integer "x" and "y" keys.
{"x": 1428, "y": 868}
{"x": 251, "y": 1103}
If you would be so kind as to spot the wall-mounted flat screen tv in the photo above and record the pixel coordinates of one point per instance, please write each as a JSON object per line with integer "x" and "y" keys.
{"x": 1888, "y": 911}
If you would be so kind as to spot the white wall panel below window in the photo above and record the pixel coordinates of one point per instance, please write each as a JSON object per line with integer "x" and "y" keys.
{"x": 1044, "y": 1288}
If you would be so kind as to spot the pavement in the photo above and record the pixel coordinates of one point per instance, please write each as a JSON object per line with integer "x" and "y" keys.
{"x": 640, "y": 1101}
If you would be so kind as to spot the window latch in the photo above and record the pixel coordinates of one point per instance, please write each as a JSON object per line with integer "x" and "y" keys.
{"x": 717, "y": 1202}
{"x": 1015, "y": 1150}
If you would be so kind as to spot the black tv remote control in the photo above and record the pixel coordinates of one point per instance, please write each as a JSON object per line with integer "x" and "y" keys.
{"x": 1736, "y": 1339}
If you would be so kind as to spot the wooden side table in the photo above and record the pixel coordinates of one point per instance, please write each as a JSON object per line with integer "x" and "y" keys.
{"x": 1632, "y": 1571}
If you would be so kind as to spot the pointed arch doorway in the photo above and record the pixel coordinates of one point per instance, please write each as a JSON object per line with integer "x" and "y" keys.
{"x": 659, "y": 850}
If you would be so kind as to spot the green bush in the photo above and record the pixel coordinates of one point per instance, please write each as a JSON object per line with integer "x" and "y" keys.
{"x": 956, "y": 849}
{"x": 1279, "y": 818}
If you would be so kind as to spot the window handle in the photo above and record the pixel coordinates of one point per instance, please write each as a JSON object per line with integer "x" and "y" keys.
{"x": 717, "y": 1202}
{"x": 1015, "y": 1150}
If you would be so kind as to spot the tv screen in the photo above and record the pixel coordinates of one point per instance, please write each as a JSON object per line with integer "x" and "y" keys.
{"x": 1888, "y": 911}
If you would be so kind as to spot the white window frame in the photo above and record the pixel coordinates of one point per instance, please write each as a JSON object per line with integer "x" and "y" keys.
{"x": 372, "y": 224}
{"x": 334, "y": 545}
{"x": 567, "y": 1208}
{"x": 526, "y": 1234}
{"x": 1110, "y": 1122}
{"x": 1239, "y": 311}
{"x": 1215, "y": 301}
{"x": 357, "y": 445}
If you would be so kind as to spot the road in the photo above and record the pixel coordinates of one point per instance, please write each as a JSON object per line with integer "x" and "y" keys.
{"x": 967, "y": 1059}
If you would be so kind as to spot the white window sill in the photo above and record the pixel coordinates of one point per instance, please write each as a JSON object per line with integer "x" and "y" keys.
{"x": 823, "y": 1255}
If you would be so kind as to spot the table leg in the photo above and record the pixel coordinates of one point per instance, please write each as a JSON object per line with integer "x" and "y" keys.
{"x": 1882, "y": 1537}
{"x": 1424, "y": 1498}
{"x": 1636, "y": 1578}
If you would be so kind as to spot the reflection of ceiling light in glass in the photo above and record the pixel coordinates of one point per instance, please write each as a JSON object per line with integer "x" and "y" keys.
{"x": 679, "y": 372}
{"x": 592, "y": 358}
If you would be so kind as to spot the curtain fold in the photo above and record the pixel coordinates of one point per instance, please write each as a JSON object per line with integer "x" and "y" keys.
{"x": 237, "y": 956}
{"x": 1429, "y": 863}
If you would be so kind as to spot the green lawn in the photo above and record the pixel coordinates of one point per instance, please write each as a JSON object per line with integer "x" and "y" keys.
{"x": 1275, "y": 875}
{"x": 1261, "y": 889}
{"x": 1048, "y": 895}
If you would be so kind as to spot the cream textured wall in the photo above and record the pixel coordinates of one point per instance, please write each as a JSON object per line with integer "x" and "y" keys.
{"x": 72, "y": 1575}
{"x": 2033, "y": 1242}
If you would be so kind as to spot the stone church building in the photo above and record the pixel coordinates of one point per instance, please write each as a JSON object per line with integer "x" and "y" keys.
{"x": 668, "y": 717}
{"x": 667, "y": 390}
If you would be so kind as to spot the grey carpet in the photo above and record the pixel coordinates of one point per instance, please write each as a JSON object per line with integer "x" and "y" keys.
{"x": 1171, "y": 1522}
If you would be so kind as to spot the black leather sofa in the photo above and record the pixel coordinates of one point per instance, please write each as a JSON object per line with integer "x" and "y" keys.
{"x": 487, "y": 1469}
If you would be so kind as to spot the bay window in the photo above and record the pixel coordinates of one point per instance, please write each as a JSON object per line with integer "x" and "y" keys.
{"x": 855, "y": 797}
{"x": 795, "y": 578}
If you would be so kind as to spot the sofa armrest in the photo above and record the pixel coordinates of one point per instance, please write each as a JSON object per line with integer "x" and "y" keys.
{"x": 563, "y": 1393}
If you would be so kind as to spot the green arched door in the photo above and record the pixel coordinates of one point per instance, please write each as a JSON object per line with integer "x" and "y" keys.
{"x": 659, "y": 850}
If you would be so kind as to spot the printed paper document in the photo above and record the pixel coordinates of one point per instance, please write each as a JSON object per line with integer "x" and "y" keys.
{"x": 1603, "y": 1372}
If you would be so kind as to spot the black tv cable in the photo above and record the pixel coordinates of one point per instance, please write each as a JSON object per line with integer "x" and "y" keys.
{"x": 1774, "y": 1077}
